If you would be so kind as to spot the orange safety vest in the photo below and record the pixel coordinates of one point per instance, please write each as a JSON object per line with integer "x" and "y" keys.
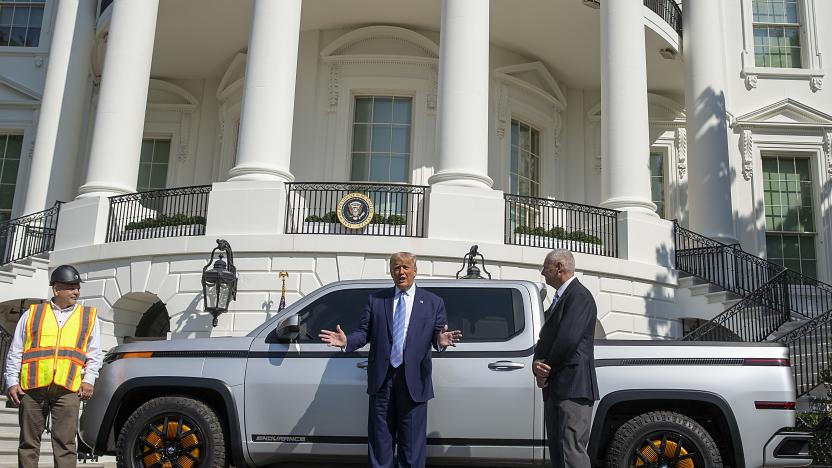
{"x": 53, "y": 354}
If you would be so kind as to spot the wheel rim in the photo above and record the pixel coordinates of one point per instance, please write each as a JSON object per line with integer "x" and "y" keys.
{"x": 666, "y": 449}
{"x": 169, "y": 441}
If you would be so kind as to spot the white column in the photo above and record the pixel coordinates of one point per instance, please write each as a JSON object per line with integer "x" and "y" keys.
{"x": 265, "y": 141}
{"x": 463, "y": 95}
{"x": 62, "y": 107}
{"x": 624, "y": 122}
{"x": 119, "y": 119}
{"x": 709, "y": 194}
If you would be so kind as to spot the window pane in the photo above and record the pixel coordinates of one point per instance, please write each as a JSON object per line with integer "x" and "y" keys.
{"x": 158, "y": 176}
{"x": 21, "y": 16}
{"x": 493, "y": 314}
{"x": 361, "y": 137}
{"x": 14, "y": 146}
{"x": 342, "y": 308}
{"x": 382, "y": 110}
{"x": 380, "y": 167}
{"x": 6, "y": 196}
{"x": 32, "y": 37}
{"x": 381, "y": 138}
{"x": 161, "y": 153}
{"x": 18, "y": 37}
{"x": 774, "y": 246}
{"x": 6, "y": 15}
{"x": 146, "y": 151}
{"x": 399, "y": 168}
{"x": 363, "y": 109}
{"x": 9, "y": 175}
{"x": 360, "y": 167}
{"x": 401, "y": 139}
{"x": 401, "y": 111}
{"x": 144, "y": 177}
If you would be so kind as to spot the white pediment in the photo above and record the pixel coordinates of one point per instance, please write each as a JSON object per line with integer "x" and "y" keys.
{"x": 166, "y": 95}
{"x": 534, "y": 77}
{"x": 785, "y": 113}
{"x": 13, "y": 93}
{"x": 390, "y": 42}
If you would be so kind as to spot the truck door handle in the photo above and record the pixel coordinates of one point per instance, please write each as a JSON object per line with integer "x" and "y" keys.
{"x": 505, "y": 365}
{"x": 362, "y": 364}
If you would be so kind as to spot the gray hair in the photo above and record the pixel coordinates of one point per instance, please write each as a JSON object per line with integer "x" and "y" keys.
{"x": 405, "y": 256}
{"x": 562, "y": 256}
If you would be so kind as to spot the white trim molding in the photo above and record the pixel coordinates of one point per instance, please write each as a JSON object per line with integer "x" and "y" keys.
{"x": 812, "y": 57}
{"x": 827, "y": 151}
{"x": 747, "y": 145}
{"x": 682, "y": 150}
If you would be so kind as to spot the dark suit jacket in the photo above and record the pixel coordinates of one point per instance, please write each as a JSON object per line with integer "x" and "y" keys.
{"x": 427, "y": 320}
{"x": 567, "y": 344}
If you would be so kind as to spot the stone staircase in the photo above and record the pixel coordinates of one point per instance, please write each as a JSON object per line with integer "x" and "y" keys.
{"x": 10, "y": 432}
{"x": 702, "y": 299}
{"x": 26, "y": 278}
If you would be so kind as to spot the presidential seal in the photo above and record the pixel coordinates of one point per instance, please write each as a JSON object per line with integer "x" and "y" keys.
{"x": 355, "y": 210}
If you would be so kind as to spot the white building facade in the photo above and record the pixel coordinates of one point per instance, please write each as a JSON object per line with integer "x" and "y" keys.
{"x": 589, "y": 125}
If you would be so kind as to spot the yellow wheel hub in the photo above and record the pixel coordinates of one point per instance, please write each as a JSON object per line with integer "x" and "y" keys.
{"x": 651, "y": 452}
{"x": 177, "y": 439}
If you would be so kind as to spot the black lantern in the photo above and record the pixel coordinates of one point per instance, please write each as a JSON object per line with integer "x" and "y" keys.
{"x": 219, "y": 284}
{"x": 471, "y": 260}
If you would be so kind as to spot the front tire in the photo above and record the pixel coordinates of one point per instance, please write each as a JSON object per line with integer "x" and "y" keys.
{"x": 662, "y": 439}
{"x": 172, "y": 432}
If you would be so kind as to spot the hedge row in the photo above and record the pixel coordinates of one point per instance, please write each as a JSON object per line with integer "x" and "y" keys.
{"x": 165, "y": 220}
{"x": 558, "y": 233}
{"x": 332, "y": 217}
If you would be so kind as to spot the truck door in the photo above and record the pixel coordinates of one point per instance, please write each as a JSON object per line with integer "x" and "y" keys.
{"x": 485, "y": 394}
{"x": 305, "y": 398}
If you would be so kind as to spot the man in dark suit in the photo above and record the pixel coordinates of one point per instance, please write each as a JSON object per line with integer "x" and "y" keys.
{"x": 564, "y": 363}
{"x": 401, "y": 324}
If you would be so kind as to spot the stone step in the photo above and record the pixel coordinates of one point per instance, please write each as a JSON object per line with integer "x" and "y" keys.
{"x": 6, "y": 277}
{"x": 703, "y": 288}
{"x": 21, "y": 269}
{"x": 689, "y": 281}
{"x": 37, "y": 261}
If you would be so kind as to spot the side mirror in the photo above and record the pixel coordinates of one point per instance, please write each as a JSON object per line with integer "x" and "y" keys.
{"x": 287, "y": 330}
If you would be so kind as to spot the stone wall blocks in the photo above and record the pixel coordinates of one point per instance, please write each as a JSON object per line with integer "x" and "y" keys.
{"x": 156, "y": 277}
{"x": 169, "y": 288}
{"x": 309, "y": 282}
{"x": 593, "y": 283}
{"x": 112, "y": 292}
{"x": 139, "y": 272}
{"x": 184, "y": 304}
{"x": 103, "y": 308}
{"x": 98, "y": 270}
{"x": 380, "y": 268}
{"x": 244, "y": 322}
{"x": 188, "y": 265}
{"x": 327, "y": 270}
{"x": 656, "y": 327}
{"x": 517, "y": 273}
{"x": 123, "y": 278}
{"x": 249, "y": 281}
{"x": 350, "y": 266}
{"x": 617, "y": 322}
{"x": 93, "y": 288}
{"x": 617, "y": 285}
{"x": 629, "y": 304}
{"x": 190, "y": 282}
{"x": 654, "y": 291}
{"x": 252, "y": 263}
{"x": 296, "y": 263}
{"x": 251, "y": 301}
{"x": 603, "y": 302}
{"x": 442, "y": 269}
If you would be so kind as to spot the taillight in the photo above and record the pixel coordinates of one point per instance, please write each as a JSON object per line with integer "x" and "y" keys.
{"x": 780, "y": 405}
{"x": 766, "y": 362}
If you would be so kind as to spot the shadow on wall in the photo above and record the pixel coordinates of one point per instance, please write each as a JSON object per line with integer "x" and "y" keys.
{"x": 11, "y": 310}
{"x": 128, "y": 313}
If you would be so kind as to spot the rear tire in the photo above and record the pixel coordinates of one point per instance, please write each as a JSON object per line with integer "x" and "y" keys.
{"x": 172, "y": 432}
{"x": 662, "y": 438}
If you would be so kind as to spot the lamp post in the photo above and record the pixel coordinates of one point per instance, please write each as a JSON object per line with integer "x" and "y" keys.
{"x": 219, "y": 284}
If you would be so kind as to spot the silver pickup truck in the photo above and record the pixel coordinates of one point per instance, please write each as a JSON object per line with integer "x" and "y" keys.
{"x": 279, "y": 394}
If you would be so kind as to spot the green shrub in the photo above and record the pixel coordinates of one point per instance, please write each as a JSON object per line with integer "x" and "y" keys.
{"x": 581, "y": 236}
{"x": 396, "y": 220}
{"x": 558, "y": 232}
{"x": 820, "y": 424}
{"x": 165, "y": 220}
{"x": 312, "y": 219}
{"x": 378, "y": 218}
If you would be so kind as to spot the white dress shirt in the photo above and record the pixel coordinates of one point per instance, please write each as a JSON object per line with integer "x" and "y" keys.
{"x": 407, "y": 296}
{"x": 94, "y": 356}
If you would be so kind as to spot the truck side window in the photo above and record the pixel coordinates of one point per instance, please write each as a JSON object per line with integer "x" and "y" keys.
{"x": 483, "y": 314}
{"x": 343, "y": 307}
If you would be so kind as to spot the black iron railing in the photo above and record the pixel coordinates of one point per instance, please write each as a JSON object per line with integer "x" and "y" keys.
{"x": 669, "y": 11}
{"x": 29, "y": 235}
{"x": 772, "y": 296}
{"x": 809, "y": 351}
{"x": 173, "y": 212}
{"x": 5, "y": 344}
{"x": 541, "y": 222}
{"x": 104, "y": 5}
{"x": 398, "y": 210}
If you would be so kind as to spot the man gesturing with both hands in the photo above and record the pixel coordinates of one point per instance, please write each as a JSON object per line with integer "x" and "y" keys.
{"x": 401, "y": 324}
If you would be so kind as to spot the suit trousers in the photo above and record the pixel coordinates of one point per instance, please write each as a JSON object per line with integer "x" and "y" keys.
{"x": 567, "y": 431}
{"x": 396, "y": 420}
{"x": 63, "y": 406}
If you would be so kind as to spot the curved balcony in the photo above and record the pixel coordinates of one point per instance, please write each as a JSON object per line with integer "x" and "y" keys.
{"x": 173, "y": 212}
{"x": 668, "y": 10}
